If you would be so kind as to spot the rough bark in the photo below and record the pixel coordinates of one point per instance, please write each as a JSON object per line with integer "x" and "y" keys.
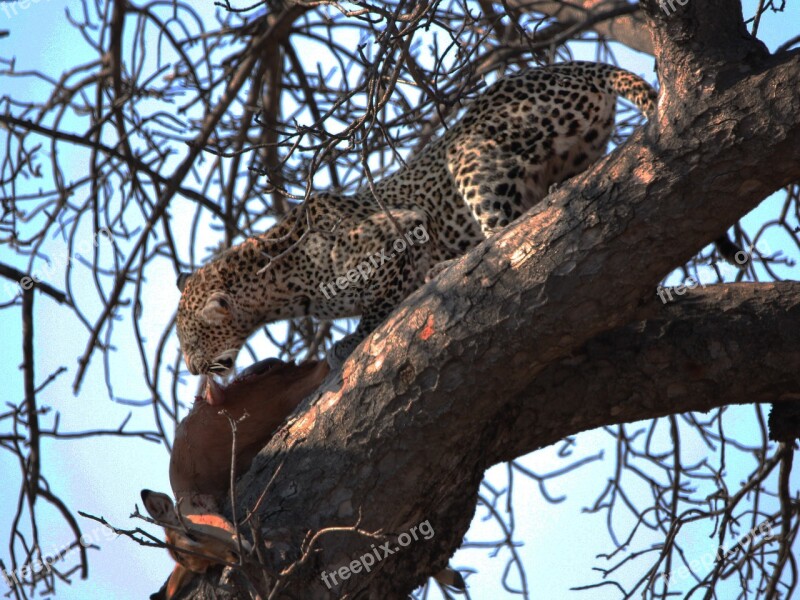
{"x": 722, "y": 345}
{"x": 628, "y": 29}
{"x": 456, "y": 379}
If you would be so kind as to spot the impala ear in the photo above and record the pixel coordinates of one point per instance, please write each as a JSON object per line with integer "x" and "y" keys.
{"x": 159, "y": 506}
{"x": 217, "y": 309}
{"x": 181, "y": 282}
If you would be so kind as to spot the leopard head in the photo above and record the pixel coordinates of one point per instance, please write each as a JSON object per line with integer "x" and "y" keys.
{"x": 212, "y": 324}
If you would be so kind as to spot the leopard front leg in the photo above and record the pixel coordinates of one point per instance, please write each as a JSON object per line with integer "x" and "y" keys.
{"x": 340, "y": 350}
{"x": 397, "y": 257}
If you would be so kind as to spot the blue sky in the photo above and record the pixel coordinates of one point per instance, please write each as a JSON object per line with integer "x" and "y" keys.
{"x": 103, "y": 476}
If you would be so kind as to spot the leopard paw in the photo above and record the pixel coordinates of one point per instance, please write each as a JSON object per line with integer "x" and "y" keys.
{"x": 438, "y": 268}
{"x": 341, "y": 350}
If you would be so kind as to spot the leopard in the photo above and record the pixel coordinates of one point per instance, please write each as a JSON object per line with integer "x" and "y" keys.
{"x": 339, "y": 255}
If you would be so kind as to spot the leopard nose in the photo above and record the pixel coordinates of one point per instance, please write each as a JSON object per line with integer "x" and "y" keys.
{"x": 191, "y": 365}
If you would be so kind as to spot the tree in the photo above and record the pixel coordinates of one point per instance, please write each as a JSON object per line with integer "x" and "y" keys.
{"x": 549, "y": 329}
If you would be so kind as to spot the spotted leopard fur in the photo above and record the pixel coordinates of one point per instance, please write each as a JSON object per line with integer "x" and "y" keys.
{"x": 527, "y": 132}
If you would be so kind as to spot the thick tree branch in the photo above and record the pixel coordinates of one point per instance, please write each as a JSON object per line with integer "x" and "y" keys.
{"x": 629, "y": 29}
{"x": 725, "y": 344}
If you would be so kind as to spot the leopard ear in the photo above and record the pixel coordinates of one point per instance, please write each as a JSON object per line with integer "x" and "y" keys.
{"x": 181, "y": 282}
{"x": 217, "y": 309}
